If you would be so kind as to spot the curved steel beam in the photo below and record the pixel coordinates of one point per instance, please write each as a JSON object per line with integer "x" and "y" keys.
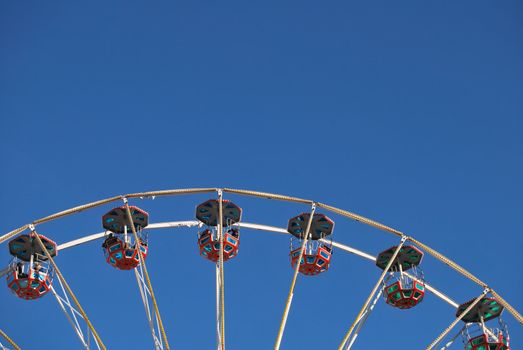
{"x": 252, "y": 226}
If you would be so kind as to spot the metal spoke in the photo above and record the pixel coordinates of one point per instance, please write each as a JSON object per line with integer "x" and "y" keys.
{"x": 367, "y": 302}
{"x": 218, "y": 309}
{"x": 146, "y": 273}
{"x": 293, "y": 283}
{"x": 451, "y": 341}
{"x": 144, "y": 293}
{"x": 72, "y": 316}
{"x": 221, "y": 272}
{"x": 363, "y": 319}
{"x": 9, "y": 340}
{"x": 69, "y": 290}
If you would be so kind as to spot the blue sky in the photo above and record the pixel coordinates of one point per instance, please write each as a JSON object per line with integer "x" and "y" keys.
{"x": 409, "y": 113}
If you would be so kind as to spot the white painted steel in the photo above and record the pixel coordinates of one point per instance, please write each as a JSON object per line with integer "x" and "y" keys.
{"x": 145, "y": 294}
{"x": 451, "y": 341}
{"x": 96, "y": 236}
{"x": 363, "y": 319}
{"x": 438, "y": 293}
{"x": 252, "y": 226}
{"x": 76, "y": 327}
{"x": 218, "y": 314}
{"x": 220, "y": 264}
{"x": 351, "y": 250}
{"x": 73, "y": 316}
{"x": 260, "y": 227}
{"x": 79, "y": 241}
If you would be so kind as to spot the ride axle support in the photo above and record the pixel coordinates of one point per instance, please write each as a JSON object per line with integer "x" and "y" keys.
{"x": 369, "y": 299}
{"x": 293, "y": 283}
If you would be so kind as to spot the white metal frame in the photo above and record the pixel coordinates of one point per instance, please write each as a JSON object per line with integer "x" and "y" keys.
{"x": 218, "y": 308}
{"x": 74, "y": 317}
{"x": 453, "y": 339}
{"x": 152, "y": 320}
{"x": 255, "y": 227}
{"x": 363, "y": 319}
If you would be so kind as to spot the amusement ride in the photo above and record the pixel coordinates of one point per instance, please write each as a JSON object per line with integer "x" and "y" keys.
{"x": 33, "y": 270}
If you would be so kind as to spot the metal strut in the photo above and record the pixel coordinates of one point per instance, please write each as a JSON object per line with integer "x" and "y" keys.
{"x": 69, "y": 290}
{"x": 451, "y": 341}
{"x": 221, "y": 274}
{"x": 385, "y": 271}
{"x": 146, "y": 274}
{"x": 363, "y": 319}
{"x": 218, "y": 313}
{"x": 72, "y": 316}
{"x": 293, "y": 283}
{"x": 146, "y": 295}
{"x": 9, "y": 340}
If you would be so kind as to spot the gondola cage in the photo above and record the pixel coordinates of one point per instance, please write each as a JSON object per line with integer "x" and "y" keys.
{"x": 317, "y": 255}
{"x": 401, "y": 289}
{"x": 119, "y": 246}
{"x": 476, "y": 335}
{"x": 30, "y": 274}
{"x": 208, "y": 237}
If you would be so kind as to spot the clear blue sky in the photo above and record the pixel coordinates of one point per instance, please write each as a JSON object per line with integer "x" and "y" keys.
{"x": 407, "y": 112}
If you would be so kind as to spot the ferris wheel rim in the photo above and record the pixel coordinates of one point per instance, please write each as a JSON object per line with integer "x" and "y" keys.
{"x": 256, "y": 227}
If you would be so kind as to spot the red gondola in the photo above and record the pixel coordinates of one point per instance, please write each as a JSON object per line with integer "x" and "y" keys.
{"x": 476, "y": 335}
{"x": 401, "y": 290}
{"x": 30, "y": 275}
{"x": 119, "y": 246}
{"x": 317, "y": 256}
{"x": 208, "y": 239}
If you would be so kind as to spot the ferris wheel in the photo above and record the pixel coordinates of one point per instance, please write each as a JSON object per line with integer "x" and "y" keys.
{"x": 33, "y": 271}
